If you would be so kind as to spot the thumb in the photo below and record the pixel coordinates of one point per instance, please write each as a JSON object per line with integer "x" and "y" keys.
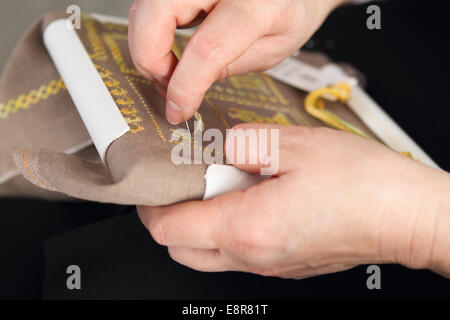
{"x": 211, "y": 49}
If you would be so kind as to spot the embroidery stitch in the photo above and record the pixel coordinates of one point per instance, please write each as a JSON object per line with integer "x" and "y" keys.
{"x": 250, "y": 116}
{"x": 221, "y": 117}
{"x": 99, "y": 51}
{"x": 110, "y": 40}
{"x": 296, "y": 115}
{"x": 147, "y": 109}
{"x": 34, "y": 96}
{"x": 124, "y": 102}
{"x": 115, "y": 27}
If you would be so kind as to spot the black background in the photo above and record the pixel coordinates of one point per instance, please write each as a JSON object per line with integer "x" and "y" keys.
{"x": 406, "y": 65}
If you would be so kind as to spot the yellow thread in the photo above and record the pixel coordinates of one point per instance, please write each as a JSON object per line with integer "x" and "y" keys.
{"x": 147, "y": 109}
{"x": 34, "y": 96}
{"x": 257, "y": 104}
{"x": 314, "y": 105}
{"x": 99, "y": 52}
{"x": 120, "y": 96}
{"x": 110, "y": 40}
{"x": 176, "y": 50}
{"x": 221, "y": 117}
{"x": 200, "y": 123}
{"x": 250, "y": 116}
{"x": 115, "y": 27}
{"x": 141, "y": 80}
{"x": 275, "y": 90}
{"x": 179, "y": 134}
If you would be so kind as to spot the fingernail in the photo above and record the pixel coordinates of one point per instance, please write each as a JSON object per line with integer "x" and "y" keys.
{"x": 173, "y": 113}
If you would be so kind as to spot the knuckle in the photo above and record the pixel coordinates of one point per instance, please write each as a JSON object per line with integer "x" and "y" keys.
{"x": 141, "y": 59}
{"x": 208, "y": 47}
{"x": 173, "y": 254}
{"x": 180, "y": 90}
{"x": 158, "y": 231}
{"x": 295, "y": 137}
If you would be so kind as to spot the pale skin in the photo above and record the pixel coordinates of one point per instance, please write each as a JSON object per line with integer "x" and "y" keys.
{"x": 338, "y": 200}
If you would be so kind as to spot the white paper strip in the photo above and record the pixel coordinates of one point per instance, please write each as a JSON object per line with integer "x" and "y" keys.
{"x": 223, "y": 178}
{"x": 306, "y": 77}
{"x": 90, "y": 95}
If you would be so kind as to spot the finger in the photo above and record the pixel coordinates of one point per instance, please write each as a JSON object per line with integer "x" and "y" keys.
{"x": 151, "y": 35}
{"x": 195, "y": 22}
{"x": 266, "y": 53}
{"x": 266, "y": 149}
{"x": 218, "y": 41}
{"x": 194, "y": 224}
{"x": 201, "y": 259}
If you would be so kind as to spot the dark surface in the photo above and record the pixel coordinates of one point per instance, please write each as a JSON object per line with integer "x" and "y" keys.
{"x": 118, "y": 259}
{"x": 406, "y": 64}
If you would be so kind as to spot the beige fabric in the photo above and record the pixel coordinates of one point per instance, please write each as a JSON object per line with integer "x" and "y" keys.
{"x": 35, "y": 111}
{"x": 139, "y": 170}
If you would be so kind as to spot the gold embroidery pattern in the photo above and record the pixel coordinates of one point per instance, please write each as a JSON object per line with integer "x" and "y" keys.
{"x": 249, "y": 116}
{"x": 146, "y": 107}
{"x": 99, "y": 52}
{"x": 23, "y": 101}
{"x": 123, "y": 101}
{"x": 254, "y": 90}
{"x": 255, "y": 103}
{"x": 140, "y": 79}
{"x": 115, "y": 27}
{"x": 274, "y": 89}
{"x": 110, "y": 40}
{"x": 221, "y": 117}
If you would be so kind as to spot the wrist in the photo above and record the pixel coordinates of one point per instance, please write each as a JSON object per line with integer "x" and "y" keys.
{"x": 424, "y": 240}
{"x": 337, "y": 3}
{"x": 440, "y": 251}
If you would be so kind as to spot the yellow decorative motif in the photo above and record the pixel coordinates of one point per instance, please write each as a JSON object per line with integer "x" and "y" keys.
{"x": 115, "y": 27}
{"x": 250, "y": 116}
{"x": 140, "y": 79}
{"x": 262, "y": 88}
{"x": 99, "y": 52}
{"x": 123, "y": 101}
{"x": 110, "y": 40}
{"x": 274, "y": 89}
{"x": 216, "y": 110}
{"x": 296, "y": 115}
{"x": 23, "y": 101}
{"x": 147, "y": 108}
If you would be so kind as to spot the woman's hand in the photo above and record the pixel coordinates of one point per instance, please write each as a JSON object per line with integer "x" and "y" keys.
{"x": 235, "y": 37}
{"x": 339, "y": 200}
